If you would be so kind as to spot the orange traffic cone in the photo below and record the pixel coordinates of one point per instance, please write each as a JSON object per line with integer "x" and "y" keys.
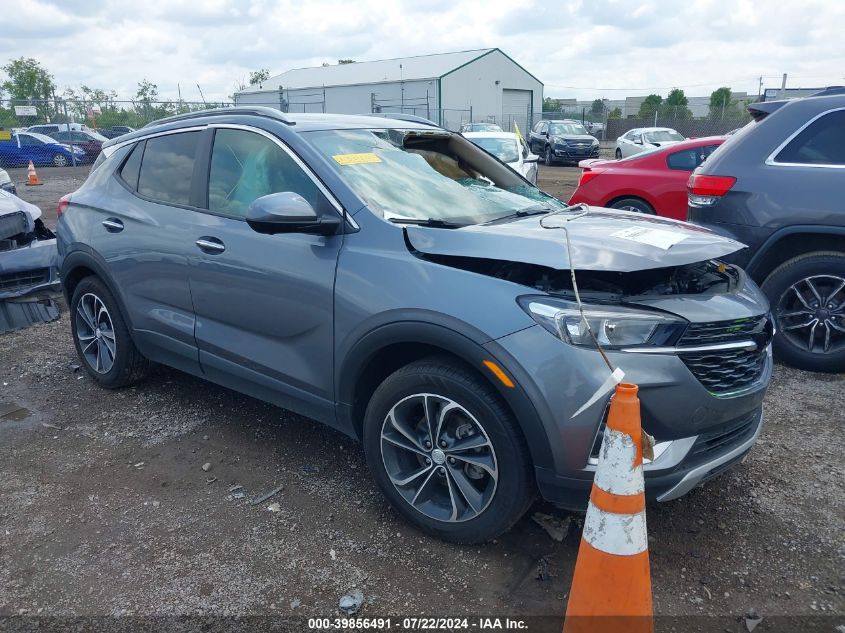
{"x": 31, "y": 176}
{"x": 611, "y": 587}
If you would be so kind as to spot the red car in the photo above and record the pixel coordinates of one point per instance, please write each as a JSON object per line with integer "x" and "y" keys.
{"x": 649, "y": 182}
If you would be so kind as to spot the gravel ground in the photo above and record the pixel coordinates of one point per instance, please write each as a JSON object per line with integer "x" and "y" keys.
{"x": 105, "y": 508}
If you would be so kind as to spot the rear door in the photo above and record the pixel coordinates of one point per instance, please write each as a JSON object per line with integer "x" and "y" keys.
{"x": 264, "y": 303}
{"x": 143, "y": 229}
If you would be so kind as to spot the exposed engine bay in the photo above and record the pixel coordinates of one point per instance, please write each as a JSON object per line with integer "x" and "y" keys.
{"x": 707, "y": 277}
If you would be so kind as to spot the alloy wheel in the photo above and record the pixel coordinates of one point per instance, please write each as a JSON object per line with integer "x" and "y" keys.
{"x": 439, "y": 457}
{"x": 95, "y": 333}
{"x": 811, "y": 313}
{"x": 59, "y": 160}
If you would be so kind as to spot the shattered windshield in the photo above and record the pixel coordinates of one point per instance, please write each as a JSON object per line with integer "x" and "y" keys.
{"x": 405, "y": 174}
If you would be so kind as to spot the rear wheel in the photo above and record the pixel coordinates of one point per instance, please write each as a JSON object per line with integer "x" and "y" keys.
{"x": 446, "y": 452}
{"x": 101, "y": 337}
{"x": 549, "y": 157}
{"x": 807, "y": 295}
{"x": 637, "y": 205}
{"x": 618, "y": 154}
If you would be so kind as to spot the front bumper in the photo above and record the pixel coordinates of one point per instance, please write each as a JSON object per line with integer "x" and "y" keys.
{"x": 572, "y": 152}
{"x": 30, "y": 271}
{"x": 699, "y": 433}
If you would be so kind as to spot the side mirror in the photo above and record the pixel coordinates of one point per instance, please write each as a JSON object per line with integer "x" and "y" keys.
{"x": 288, "y": 212}
{"x": 531, "y": 158}
{"x": 546, "y": 133}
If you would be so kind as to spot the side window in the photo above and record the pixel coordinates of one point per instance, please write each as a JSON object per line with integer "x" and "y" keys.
{"x": 26, "y": 139}
{"x": 132, "y": 166}
{"x": 821, "y": 143}
{"x": 538, "y": 126}
{"x": 246, "y": 166}
{"x": 685, "y": 160}
{"x": 167, "y": 167}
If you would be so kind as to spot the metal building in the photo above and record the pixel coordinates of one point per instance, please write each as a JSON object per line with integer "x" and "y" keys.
{"x": 448, "y": 88}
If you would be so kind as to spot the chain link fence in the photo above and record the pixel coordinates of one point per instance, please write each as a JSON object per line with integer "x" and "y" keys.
{"x": 608, "y": 125}
{"x": 62, "y": 132}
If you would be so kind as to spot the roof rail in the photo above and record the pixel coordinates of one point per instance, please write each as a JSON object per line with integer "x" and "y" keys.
{"x": 829, "y": 91}
{"x": 401, "y": 116}
{"x": 264, "y": 111}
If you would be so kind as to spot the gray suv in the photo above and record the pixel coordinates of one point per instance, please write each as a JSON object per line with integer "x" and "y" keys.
{"x": 397, "y": 283}
{"x": 777, "y": 185}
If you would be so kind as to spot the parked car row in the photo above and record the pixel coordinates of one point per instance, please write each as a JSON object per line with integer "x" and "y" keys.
{"x": 775, "y": 186}
{"x": 41, "y": 149}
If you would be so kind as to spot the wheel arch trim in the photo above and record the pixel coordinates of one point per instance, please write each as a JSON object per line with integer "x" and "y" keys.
{"x": 462, "y": 342}
{"x": 84, "y": 257}
{"x": 759, "y": 257}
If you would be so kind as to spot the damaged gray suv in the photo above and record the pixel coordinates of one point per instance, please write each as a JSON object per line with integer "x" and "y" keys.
{"x": 394, "y": 281}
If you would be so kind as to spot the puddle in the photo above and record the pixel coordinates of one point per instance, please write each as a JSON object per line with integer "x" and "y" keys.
{"x": 16, "y": 316}
{"x": 14, "y": 412}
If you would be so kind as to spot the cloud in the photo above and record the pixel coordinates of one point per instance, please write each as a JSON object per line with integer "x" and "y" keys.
{"x": 581, "y": 48}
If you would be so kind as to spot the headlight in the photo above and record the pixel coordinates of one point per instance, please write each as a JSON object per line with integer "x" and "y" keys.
{"x": 595, "y": 143}
{"x": 613, "y": 326}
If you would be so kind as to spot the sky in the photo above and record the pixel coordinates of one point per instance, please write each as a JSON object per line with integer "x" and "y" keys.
{"x": 579, "y": 48}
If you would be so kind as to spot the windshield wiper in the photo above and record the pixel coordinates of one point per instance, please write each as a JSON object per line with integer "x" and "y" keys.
{"x": 522, "y": 213}
{"x": 432, "y": 222}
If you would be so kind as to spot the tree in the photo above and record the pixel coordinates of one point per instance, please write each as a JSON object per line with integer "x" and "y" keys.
{"x": 616, "y": 113}
{"x": 721, "y": 103}
{"x": 551, "y": 105}
{"x": 675, "y": 105}
{"x": 27, "y": 79}
{"x": 346, "y": 61}
{"x": 259, "y": 76}
{"x": 649, "y": 106}
{"x": 597, "y": 108}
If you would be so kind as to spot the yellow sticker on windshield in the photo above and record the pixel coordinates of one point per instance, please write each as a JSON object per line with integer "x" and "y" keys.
{"x": 356, "y": 159}
{"x": 5, "y": 136}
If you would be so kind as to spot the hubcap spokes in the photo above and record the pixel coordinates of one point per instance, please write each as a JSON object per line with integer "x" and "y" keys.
{"x": 811, "y": 313}
{"x": 439, "y": 457}
{"x": 95, "y": 332}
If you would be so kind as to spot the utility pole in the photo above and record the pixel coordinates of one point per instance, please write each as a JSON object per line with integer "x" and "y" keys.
{"x": 783, "y": 87}
{"x": 201, "y": 95}
{"x": 760, "y": 88}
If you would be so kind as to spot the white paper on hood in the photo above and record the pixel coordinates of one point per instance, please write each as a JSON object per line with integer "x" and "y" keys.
{"x": 651, "y": 237}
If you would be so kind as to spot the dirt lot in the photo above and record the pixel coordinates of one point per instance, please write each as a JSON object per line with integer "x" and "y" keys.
{"x": 105, "y": 508}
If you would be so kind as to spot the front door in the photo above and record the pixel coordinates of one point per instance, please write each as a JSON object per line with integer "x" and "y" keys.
{"x": 263, "y": 303}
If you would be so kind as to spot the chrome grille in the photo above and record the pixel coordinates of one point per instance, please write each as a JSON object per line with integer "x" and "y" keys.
{"x": 727, "y": 370}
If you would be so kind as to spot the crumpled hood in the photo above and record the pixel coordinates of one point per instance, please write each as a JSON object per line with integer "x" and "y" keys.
{"x": 603, "y": 239}
{"x": 10, "y": 204}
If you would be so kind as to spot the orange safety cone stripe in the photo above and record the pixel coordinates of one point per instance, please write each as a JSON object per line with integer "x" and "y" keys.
{"x": 618, "y": 504}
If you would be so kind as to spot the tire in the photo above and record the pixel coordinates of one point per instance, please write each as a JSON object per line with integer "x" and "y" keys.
{"x": 548, "y": 157}
{"x": 637, "y": 205}
{"x": 795, "y": 280}
{"x": 472, "y": 413}
{"x": 60, "y": 160}
{"x": 112, "y": 361}
{"x": 618, "y": 154}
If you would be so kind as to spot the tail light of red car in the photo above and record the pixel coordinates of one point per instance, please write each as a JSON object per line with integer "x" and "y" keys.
{"x": 705, "y": 191}
{"x": 64, "y": 201}
{"x": 588, "y": 174}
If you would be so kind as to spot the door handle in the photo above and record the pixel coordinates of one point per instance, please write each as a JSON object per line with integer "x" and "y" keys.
{"x": 210, "y": 245}
{"x": 113, "y": 225}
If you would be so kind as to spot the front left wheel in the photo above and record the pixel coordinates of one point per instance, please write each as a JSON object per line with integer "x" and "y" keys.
{"x": 446, "y": 452}
{"x": 60, "y": 160}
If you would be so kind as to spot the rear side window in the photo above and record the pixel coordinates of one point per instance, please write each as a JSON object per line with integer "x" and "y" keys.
{"x": 820, "y": 143}
{"x": 132, "y": 166}
{"x": 246, "y": 166}
{"x": 689, "y": 159}
{"x": 167, "y": 168}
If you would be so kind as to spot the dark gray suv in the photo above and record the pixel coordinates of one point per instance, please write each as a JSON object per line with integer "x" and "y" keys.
{"x": 394, "y": 281}
{"x": 778, "y": 185}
